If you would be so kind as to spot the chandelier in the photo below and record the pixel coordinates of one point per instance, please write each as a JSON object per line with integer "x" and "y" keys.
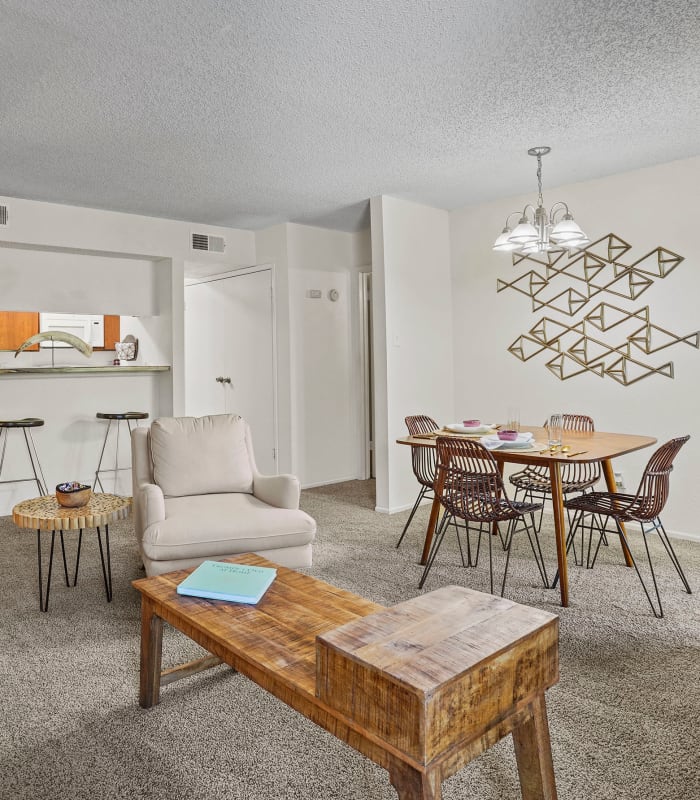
{"x": 539, "y": 231}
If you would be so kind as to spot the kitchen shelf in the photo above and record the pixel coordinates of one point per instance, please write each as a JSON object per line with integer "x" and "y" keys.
{"x": 106, "y": 369}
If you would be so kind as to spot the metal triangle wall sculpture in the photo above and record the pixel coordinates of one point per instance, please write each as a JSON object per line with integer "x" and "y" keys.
{"x": 603, "y": 339}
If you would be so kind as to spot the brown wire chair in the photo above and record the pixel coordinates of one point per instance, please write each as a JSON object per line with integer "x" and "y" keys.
{"x": 643, "y": 507}
{"x": 423, "y": 460}
{"x": 533, "y": 482}
{"x": 470, "y": 487}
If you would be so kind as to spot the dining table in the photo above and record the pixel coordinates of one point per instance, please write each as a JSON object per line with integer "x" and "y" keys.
{"x": 582, "y": 446}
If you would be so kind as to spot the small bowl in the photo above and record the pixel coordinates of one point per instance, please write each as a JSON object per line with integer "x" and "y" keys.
{"x": 508, "y": 436}
{"x": 471, "y": 423}
{"x": 73, "y": 494}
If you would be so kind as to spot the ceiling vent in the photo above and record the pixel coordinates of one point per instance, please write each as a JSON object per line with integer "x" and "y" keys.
{"x": 3, "y": 215}
{"x": 212, "y": 244}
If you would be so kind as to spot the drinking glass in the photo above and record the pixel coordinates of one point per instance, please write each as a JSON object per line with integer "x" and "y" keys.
{"x": 513, "y": 419}
{"x": 554, "y": 430}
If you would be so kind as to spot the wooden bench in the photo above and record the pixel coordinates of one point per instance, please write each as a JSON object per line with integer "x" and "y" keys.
{"x": 420, "y": 688}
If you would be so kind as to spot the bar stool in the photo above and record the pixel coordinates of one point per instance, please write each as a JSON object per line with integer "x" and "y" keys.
{"x": 124, "y": 415}
{"x": 25, "y": 425}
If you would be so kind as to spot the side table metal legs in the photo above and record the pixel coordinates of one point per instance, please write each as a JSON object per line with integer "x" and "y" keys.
{"x": 106, "y": 574}
{"x": 106, "y": 569}
{"x": 106, "y": 564}
{"x": 44, "y": 600}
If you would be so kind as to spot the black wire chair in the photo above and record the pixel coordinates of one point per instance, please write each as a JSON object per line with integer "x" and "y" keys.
{"x": 577, "y": 477}
{"x": 643, "y": 507}
{"x": 470, "y": 487}
{"x": 423, "y": 460}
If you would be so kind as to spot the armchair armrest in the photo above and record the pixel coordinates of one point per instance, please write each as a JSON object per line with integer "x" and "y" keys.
{"x": 281, "y": 491}
{"x": 150, "y": 506}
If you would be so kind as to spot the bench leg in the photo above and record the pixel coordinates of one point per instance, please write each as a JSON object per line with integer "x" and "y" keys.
{"x": 412, "y": 784}
{"x": 151, "y": 654}
{"x": 533, "y": 752}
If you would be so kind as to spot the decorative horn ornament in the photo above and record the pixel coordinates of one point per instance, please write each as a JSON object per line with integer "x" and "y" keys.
{"x": 58, "y": 336}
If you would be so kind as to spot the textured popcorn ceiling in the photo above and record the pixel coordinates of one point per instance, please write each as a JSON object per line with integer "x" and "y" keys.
{"x": 252, "y": 112}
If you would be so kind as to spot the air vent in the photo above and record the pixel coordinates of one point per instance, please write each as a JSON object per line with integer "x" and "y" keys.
{"x": 212, "y": 244}
{"x": 3, "y": 215}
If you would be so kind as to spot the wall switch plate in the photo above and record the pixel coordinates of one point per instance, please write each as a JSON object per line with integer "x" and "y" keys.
{"x": 619, "y": 481}
{"x": 314, "y": 294}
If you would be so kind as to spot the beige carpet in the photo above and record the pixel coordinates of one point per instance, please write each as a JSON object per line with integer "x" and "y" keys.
{"x": 623, "y": 718}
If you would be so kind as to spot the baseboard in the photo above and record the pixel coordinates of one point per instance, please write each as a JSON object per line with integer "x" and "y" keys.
{"x": 399, "y": 509}
{"x": 328, "y": 483}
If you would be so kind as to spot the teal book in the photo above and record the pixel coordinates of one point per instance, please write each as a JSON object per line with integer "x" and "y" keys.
{"x": 216, "y": 580}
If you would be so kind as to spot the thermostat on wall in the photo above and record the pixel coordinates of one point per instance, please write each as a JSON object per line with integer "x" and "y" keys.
{"x": 333, "y": 295}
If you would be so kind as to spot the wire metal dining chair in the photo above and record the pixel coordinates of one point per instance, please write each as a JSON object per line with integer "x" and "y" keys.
{"x": 423, "y": 460}
{"x": 643, "y": 507}
{"x": 470, "y": 487}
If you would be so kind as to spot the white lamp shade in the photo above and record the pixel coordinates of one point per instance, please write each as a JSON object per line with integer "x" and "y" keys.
{"x": 503, "y": 242}
{"x": 524, "y": 233}
{"x": 566, "y": 230}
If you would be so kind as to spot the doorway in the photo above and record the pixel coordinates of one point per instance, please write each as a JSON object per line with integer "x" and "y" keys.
{"x": 230, "y": 357}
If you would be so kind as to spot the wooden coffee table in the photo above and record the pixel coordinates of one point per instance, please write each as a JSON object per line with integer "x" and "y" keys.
{"x": 420, "y": 688}
{"x": 45, "y": 514}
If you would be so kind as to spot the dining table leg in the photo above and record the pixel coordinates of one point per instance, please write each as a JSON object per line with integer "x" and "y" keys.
{"x": 432, "y": 524}
{"x": 611, "y": 484}
{"x": 559, "y": 530}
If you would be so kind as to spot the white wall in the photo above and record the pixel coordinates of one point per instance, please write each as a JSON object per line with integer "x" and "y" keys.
{"x": 118, "y": 263}
{"x": 320, "y": 340}
{"x": 647, "y": 208}
{"x": 413, "y": 340}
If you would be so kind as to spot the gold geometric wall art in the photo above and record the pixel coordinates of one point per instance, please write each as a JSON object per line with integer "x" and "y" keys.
{"x": 606, "y": 340}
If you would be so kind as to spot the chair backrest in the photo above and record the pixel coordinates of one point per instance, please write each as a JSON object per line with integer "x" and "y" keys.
{"x": 577, "y": 471}
{"x": 652, "y": 493}
{"x": 422, "y": 458}
{"x": 469, "y": 482}
{"x": 202, "y": 455}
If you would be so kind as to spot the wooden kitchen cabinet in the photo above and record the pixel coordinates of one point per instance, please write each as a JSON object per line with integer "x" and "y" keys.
{"x": 17, "y": 326}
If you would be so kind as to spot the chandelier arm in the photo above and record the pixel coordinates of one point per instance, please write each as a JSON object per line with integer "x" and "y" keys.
{"x": 532, "y": 208}
{"x": 558, "y": 206}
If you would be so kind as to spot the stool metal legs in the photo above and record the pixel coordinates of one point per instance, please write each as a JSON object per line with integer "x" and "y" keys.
{"x": 33, "y": 458}
{"x": 117, "y": 468}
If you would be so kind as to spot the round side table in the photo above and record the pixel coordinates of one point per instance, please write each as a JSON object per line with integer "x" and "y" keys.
{"x": 45, "y": 514}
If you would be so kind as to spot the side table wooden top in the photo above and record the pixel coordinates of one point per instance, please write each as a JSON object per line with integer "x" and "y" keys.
{"x": 44, "y": 513}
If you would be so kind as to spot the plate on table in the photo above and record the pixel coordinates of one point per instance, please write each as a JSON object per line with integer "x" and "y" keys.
{"x": 477, "y": 430}
{"x": 523, "y": 441}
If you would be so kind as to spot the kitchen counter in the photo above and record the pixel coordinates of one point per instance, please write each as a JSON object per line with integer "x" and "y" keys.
{"x": 106, "y": 369}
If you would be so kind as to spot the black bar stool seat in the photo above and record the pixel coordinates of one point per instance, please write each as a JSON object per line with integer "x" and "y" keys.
{"x": 117, "y": 416}
{"x": 25, "y": 426}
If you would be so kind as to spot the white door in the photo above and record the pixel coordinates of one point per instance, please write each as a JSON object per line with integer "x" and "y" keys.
{"x": 230, "y": 355}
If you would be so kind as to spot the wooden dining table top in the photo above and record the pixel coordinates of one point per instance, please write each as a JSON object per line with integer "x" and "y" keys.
{"x": 586, "y": 445}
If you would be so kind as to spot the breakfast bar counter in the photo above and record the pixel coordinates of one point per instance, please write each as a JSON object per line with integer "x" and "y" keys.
{"x": 105, "y": 369}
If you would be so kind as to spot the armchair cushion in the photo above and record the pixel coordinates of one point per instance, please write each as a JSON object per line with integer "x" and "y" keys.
{"x": 224, "y": 524}
{"x": 201, "y": 455}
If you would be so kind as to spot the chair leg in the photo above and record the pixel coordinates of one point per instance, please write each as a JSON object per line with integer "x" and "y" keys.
{"x": 671, "y": 553}
{"x": 437, "y": 541}
{"x": 625, "y": 540}
{"x": 421, "y": 495}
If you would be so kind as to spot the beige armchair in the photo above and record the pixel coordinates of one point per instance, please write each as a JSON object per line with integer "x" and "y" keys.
{"x": 198, "y": 495}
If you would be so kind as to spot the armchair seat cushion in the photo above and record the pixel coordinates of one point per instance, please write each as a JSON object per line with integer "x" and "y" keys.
{"x": 210, "y": 525}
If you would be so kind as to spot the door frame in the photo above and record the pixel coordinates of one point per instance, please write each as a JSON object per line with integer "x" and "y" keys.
{"x": 366, "y": 417}
{"x": 237, "y": 273}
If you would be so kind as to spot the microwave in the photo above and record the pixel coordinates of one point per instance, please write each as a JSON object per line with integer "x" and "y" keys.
{"x": 88, "y": 327}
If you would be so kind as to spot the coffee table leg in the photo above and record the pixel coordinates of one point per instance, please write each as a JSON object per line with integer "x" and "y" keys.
{"x": 151, "y": 653}
{"x": 44, "y": 602}
{"x": 65, "y": 564}
{"x": 106, "y": 572}
{"x": 533, "y": 752}
{"x": 412, "y": 784}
